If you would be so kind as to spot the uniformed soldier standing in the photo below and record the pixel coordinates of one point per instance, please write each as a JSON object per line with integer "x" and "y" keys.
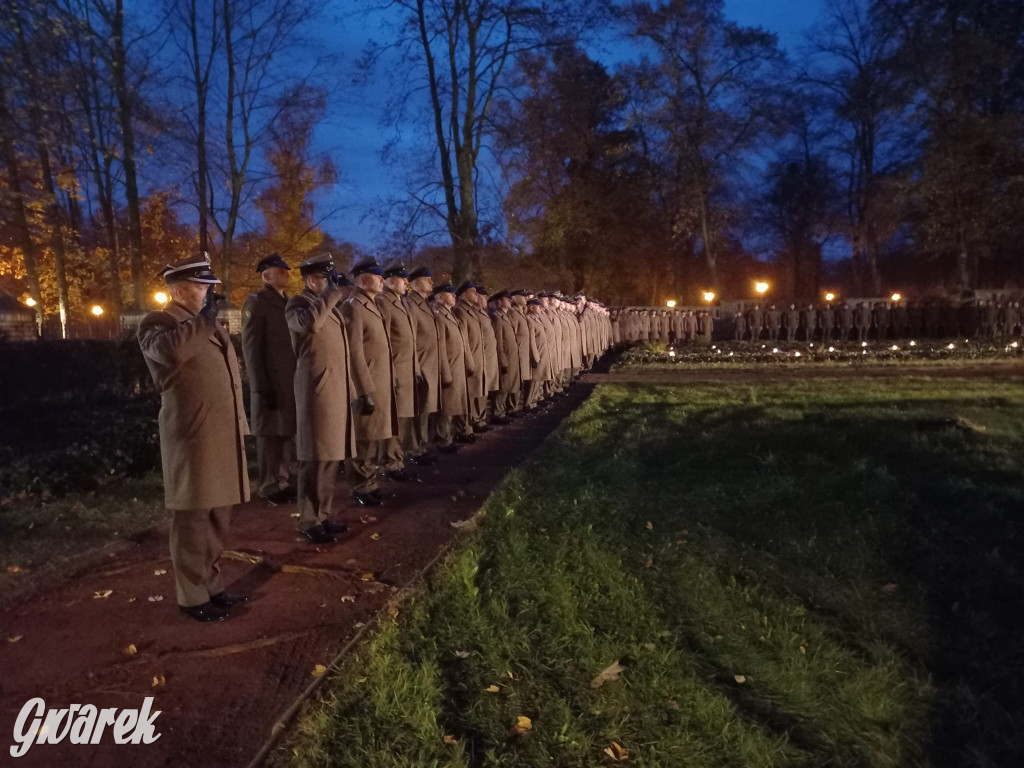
{"x": 402, "y": 335}
{"x": 202, "y": 433}
{"x": 739, "y": 325}
{"x": 488, "y": 345}
{"x": 538, "y": 353}
{"x": 791, "y": 321}
{"x": 755, "y": 322}
{"x": 507, "y": 347}
{"x": 452, "y": 360}
{"x": 270, "y": 365}
{"x": 323, "y": 390}
{"x": 524, "y": 339}
{"x": 465, "y": 313}
{"x": 428, "y": 388}
{"x": 373, "y": 402}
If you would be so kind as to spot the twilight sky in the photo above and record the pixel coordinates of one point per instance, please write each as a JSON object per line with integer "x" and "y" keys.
{"x": 355, "y": 136}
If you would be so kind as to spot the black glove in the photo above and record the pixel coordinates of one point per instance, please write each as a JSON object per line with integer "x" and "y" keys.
{"x": 445, "y": 384}
{"x": 420, "y": 378}
{"x": 364, "y": 405}
{"x": 210, "y": 308}
{"x": 269, "y": 400}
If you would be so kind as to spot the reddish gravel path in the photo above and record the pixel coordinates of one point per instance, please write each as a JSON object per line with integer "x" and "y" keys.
{"x": 227, "y": 683}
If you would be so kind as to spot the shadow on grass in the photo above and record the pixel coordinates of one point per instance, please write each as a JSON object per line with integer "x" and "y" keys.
{"x": 848, "y": 495}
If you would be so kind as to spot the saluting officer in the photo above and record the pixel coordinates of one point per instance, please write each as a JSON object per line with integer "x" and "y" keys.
{"x": 202, "y": 432}
{"x": 270, "y": 365}
{"x": 402, "y": 335}
{"x": 373, "y": 403}
{"x": 323, "y": 390}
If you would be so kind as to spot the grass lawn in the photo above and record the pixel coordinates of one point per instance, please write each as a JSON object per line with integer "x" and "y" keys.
{"x": 809, "y": 574}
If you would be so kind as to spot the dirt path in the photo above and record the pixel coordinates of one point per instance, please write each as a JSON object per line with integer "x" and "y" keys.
{"x": 228, "y": 683}
{"x": 749, "y": 375}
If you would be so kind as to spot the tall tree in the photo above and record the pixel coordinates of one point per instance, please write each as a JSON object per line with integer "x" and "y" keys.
{"x": 719, "y": 98}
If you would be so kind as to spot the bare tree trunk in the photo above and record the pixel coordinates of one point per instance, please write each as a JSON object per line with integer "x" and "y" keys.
{"x": 118, "y": 67}
{"x": 201, "y": 80}
{"x": 20, "y": 218}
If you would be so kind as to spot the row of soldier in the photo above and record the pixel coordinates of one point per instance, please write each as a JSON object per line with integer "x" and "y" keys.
{"x": 357, "y": 377}
{"x": 880, "y": 321}
{"x": 631, "y": 325}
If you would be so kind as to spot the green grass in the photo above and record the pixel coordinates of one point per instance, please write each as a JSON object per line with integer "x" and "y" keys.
{"x": 851, "y": 550}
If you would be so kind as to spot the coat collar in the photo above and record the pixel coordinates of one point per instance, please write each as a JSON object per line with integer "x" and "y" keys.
{"x": 270, "y": 294}
{"x": 363, "y": 298}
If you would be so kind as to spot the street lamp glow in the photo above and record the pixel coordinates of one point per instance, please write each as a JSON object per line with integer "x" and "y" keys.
{"x": 670, "y": 303}
{"x": 709, "y": 296}
{"x": 96, "y": 310}
{"x": 761, "y": 287}
{"x": 161, "y": 297}
{"x": 30, "y": 302}
{"x": 896, "y": 297}
{"x": 830, "y": 296}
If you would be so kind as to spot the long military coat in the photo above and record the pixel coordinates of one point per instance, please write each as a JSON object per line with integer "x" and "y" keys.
{"x": 539, "y": 358}
{"x": 323, "y": 387}
{"x": 202, "y": 419}
{"x": 269, "y": 362}
{"x": 489, "y": 345}
{"x": 369, "y": 354}
{"x": 524, "y": 340}
{"x": 427, "y": 333}
{"x": 474, "y": 350}
{"x": 402, "y": 334}
{"x": 507, "y": 350}
{"x": 452, "y": 347}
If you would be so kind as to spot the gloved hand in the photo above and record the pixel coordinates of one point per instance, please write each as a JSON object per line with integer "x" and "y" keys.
{"x": 420, "y": 379}
{"x": 364, "y": 405}
{"x": 268, "y": 400}
{"x": 210, "y": 308}
{"x": 445, "y": 384}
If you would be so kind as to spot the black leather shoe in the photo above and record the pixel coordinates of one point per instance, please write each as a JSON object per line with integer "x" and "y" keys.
{"x": 424, "y": 460}
{"x": 205, "y": 612}
{"x": 334, "y": 528}
{"x": 282, "y": 496}
{"x": 465, "y": 439}
{"x": 227, "y": 600}
{"x": 399, "y": 476}
{"x": 366, "y": 500}
{"x": 500, "y": 421}
{"x": 319, "y": 535}
{"x": 481, "y": 430}
{"x": 449, "y": 449}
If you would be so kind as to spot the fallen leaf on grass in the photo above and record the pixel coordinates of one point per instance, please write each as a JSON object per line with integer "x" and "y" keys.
{"x": 14, "y": 569}
{"x": 159, "y": 572}
{"x": 155, "y": 598}
{"x": 672, "y": 704}
{"x": 462, "y": 654}
{"x": 131, "y": 650}
{"x": 803, "y": 647}
{"x": 523, "y": 724}
{"x": 650, "y": 527}
{"x": 348, "y": 598}
{"x": 510, "y": 675}
{"x": 319, "y": 670}
{"x": 102, "y": 594}
{"x": 741, "y": 679}
{"x": 616, "y": 751}
{"x": 608, "y": 674}
{"x": 367, "y": 519}
{"x": 649, "y": 563}
{"x": 158, "y": 681}
{"x": 368, "y": 576}
{"x": 393, "y": 612}
{"x": 492, "y": 689}
{"x": 449, "y": 739}
{"x": 374, "y": 536}
{"x": 890, "y": 587}
{"x": 14, "y": 638}
{"x": 650, "y": 646}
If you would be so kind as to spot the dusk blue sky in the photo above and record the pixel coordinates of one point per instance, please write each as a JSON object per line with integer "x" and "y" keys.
{"x": 354, "y": 134}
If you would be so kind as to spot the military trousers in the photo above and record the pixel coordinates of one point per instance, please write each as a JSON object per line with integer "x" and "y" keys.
{"x": 197, "y": 539}
{"x": 444, "y": 428}
{"x": 422, "y": 433}
{"x": 273, "y": 456}
{"x": 534, "y": 392}
{"x": 478, "y": 411}
{"x": 393, "y": 450}
{"x": 499, "y": 404}
{"x": 361, "y": 469}
{"x": 317, "y": 481}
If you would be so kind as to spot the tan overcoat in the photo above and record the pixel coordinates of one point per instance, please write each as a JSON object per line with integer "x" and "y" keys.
{"x": 454, "y": 395}
{"x": 323, "y": 387}
{"x": 489, "y": 345}
{"x": 202, "y": 419}
{"x": 428, "y": 393}
{"x": 269, "y": 362}
{"x": 402, "y": 335}
{"x": 369, "y": 352}
{"x": 474, "y": 348}
{"x": 524, "y": 339}
{"x": 507, "y": 348}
